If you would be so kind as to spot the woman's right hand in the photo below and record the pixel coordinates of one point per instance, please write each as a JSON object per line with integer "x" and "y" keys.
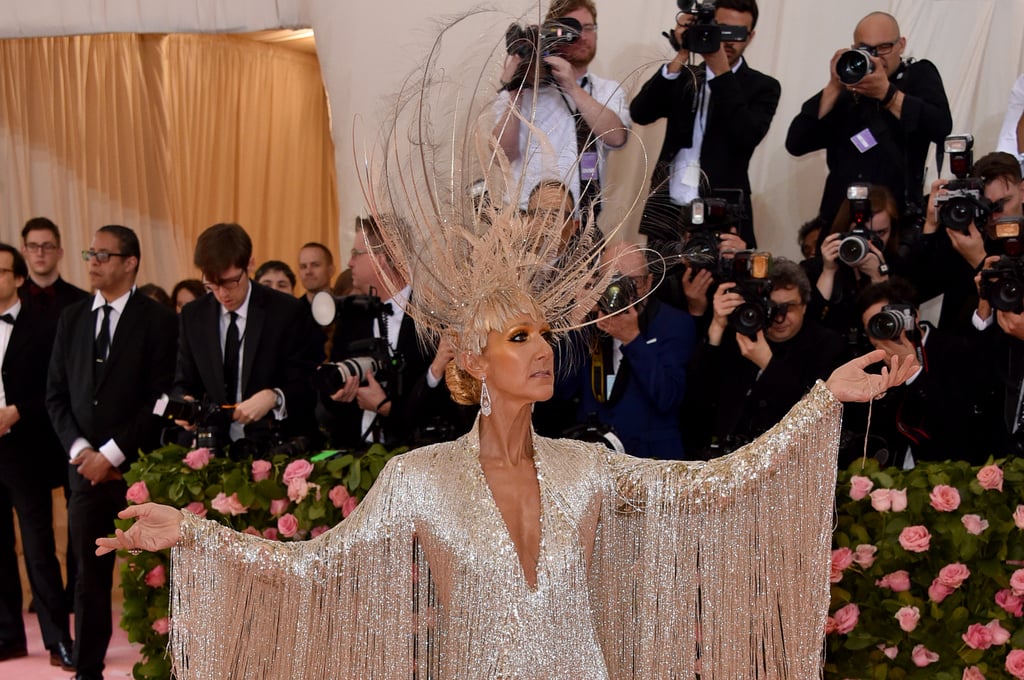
{"x": 156, "y": 527}
{"x": 830, "y": 252}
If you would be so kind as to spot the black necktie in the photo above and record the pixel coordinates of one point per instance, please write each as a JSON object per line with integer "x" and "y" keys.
{"x": 7, "y": 318}
{"x": 102, "y": 346}
{"x": 388, "y": 309}
{"x": 585, "y": 142}
{"x": 231, "y": 348}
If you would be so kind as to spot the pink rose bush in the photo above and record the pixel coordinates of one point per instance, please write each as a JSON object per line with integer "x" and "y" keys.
{"x": 933, "y": 558}
{"x": 198, "y": 459}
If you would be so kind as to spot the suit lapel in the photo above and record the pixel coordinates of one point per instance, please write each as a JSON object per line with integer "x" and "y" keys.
{"x": 128, "y": 326}
{"x": 253, "y": 332}
{"x": 21, "y": 338}
{"x": 207, "y": 350}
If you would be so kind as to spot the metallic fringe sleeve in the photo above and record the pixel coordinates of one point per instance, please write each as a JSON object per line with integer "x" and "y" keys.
{"x": 721, "y": 568}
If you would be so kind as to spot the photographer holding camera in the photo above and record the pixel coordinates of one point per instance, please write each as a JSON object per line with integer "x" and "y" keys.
{"x": 633, "y": 376}
{"x": 716, "y": 113}
{"x": 760, "y": 356}
{"x": 246, "y": 348}
{"x": 581, "y": 114}
{"x": 945, "y": 410}
{"x": 875, "y": 117}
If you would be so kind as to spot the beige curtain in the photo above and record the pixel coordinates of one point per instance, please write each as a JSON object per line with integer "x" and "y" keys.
{"x": 167, "y": 134}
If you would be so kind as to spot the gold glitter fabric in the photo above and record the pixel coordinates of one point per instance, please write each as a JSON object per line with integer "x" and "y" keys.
{"x": 647, "y": 569}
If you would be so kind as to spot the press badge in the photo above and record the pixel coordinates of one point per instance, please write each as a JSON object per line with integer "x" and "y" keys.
{"x": 588, "y": 166}
{"x": 864, "y": 140}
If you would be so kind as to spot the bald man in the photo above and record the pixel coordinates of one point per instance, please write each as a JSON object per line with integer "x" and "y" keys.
{"x": 877, "y": 129}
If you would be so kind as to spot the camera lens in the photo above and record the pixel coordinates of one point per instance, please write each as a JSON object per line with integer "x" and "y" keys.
{"x": 852, "y": 250}
{"x": 853, "y": 65}
{"x": 957, "y": 213}
{"x": 884, "y": 326}
{"x": 1008, "y": 295}
{"x": 748, "y": 319}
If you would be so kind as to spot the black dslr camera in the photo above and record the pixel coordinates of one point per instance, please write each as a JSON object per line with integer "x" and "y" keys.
{"x": 704, "y": 35}
{"x": 620, "y": 293}
{"x": 1003, "y": 284}
{"x": 854, "y": 245}
{"x": 889, "y": 323}
{"x": 964, "y": 202}
{"x": 212, "y": 421}
{"x": 750, "y": 271}
{"x": 702, "y": 221}
{"x": 531, "y": 43}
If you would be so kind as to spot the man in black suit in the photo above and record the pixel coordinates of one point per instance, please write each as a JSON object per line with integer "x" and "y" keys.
{"x": 716, "y": 114}
{"x": 112, "y": 358}
{"x": 25, "y": 477}
{"x": 247, "y": 345}
{"x": 416, "y": 397}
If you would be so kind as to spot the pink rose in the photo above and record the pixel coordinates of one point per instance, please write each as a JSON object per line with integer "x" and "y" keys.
{"x": 974, "y": 524}
{"x": 270, "y": 533}
{"x": 157, "y": 577}
{"x": 198, "y": 458}
{"x": 1010, "y": 603}
{"x": 228, "y": 505}
{"x": 859, "y": 487}
{"x": 1018, "y": 516}
{"x": 915, "y": 538}
{"x": 322, "y": 529}
{"x": 197, "y": 508}
{"x": 137, "y": 493}
{"x": 338, "y": 495}
{"x": 252, "y": 531}
{"x": 972, "y": 673}
{"x": 977, "y": 636}
{"x": 288, "y": 525}
{"x": 937, "y": 592}
{"x": 864, "y": 555}
{"x": 1017, "y": 582}
{"x": 846, "y": 618}
{"x": 899, "y": 499}
{"x": 890, "y": 652}
{"x": 161, "y": 625}
{"x": 1000, "y": 635}
{"x": 953, "y": 575}
{"x": 991, "y": 477}
{"x": 278, "y": 506}
{"x": 908, "y": 618}
{"x": 842, "y": 558}
{"x": 348, "y": 506}
{"x": 297, "y": 469}
{"x": 881, "y": 500}
{"x": 897, "y": 581}
{"x": 922, "y": 656}
{"x": 261, "y": 470}
{"x": 297, "y": 489}
{"x": 945, "y": 498}
{"x": 1015, "y": 663}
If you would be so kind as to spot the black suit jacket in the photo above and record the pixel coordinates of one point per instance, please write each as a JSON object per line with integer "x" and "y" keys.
{"x": 280, "y": 352}
{"x": 739, "y": 114}
{"x": 64, "y": 294}
{"x": 139, "y": 368}
{"x": 31, "y": 447}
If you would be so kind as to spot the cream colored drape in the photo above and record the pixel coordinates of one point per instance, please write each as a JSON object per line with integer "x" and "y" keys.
{"x": 167, "y": 134}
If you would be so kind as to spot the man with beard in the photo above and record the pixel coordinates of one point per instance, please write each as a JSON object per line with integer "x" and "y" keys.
{"x": 581, "y": 114}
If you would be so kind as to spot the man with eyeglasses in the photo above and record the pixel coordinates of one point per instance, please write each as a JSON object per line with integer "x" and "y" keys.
{"x": 582, "y": 115}
{"x": 45, "y": 289}
{"x": 716, "y": 114}
{"x": 112, "y": 358}
{"x": 741, "y": 386}
{"x": 878, "y": 129}
{"x": 247, "y": 345}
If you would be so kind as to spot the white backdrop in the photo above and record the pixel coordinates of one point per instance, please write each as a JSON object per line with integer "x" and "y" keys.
{"x": 366, "y": 48}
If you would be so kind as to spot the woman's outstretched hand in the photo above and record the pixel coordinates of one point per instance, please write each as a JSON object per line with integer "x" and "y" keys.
{"x": 850, "y": 382}
{"x": 156, "y": 527}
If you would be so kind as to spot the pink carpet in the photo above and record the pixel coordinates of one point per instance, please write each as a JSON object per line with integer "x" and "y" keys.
{"x": 36, "y": 666}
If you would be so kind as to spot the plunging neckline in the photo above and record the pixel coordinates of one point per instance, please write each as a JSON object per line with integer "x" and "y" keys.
{"x": 534, "y": 587}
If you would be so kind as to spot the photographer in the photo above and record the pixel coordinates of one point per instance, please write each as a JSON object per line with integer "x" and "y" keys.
{"x": 246, "y": 346}
{"x": 716, "y": 113}
{"x": 409, "y": 395}
{"x": 634, "y": 374}
{"x": 944, "y": 411}
{"x": 742, "y": 385}
{"x": 842, "y": 269}
{"x": 582, "y": 115}
{"x": 876, "y": 128}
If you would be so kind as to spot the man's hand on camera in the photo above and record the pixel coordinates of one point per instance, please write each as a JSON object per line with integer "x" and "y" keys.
{"x": 730, "y": 242}
{"x": 971, "y": 245}
{"x": 372, "y": 397}
{"x": 724, "y": 303}
{"x": 984, "y": 306}
{"x": 184, "y": 424}
{"x": 756, "y": 350}
{"x": 563, "y": 73}
{"x": 677, "y": 64}
{"x": 931, "y": 212}
{"x": 695, "y": 286}
{"x": 347, "y": 394}
{"x": 1012, "y": 324}
{"x": 255, "y": 407}
{"x": 833, "y": 76}
{"x": 624, "y": 326}
{"x": 874, "y": 85}
{"x": 717, "y": 61}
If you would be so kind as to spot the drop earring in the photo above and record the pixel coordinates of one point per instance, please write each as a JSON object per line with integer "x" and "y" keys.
{"x": 485, "y": 397}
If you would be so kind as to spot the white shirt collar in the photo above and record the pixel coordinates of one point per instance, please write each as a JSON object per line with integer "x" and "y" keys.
{"x": 14, "y": 309}
{"x": 118, "y": 304}
{"x": 243, "y": 309}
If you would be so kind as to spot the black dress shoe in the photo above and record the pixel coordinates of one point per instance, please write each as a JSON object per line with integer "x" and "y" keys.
{"x": 12, "y": 650}
{"x": 61, "y": 656}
